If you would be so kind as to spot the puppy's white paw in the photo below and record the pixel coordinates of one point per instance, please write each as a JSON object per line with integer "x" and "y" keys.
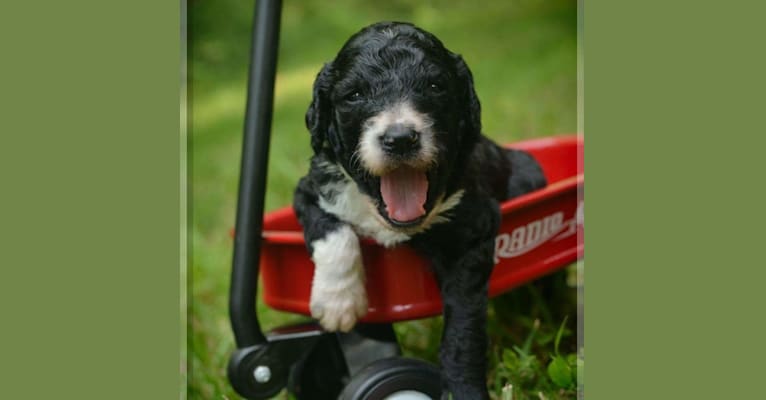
{"x": 338, "y": 297}
{"x": 338, "y": 307}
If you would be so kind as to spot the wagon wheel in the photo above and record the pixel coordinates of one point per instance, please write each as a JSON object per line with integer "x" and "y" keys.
{"x": 395, "y": 378}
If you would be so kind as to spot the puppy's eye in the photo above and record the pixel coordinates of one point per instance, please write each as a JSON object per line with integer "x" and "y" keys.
{"x": 435, "y": 88}
{"x": 353, "y": 97}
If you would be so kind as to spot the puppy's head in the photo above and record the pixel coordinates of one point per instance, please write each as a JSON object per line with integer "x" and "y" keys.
{"x": 399, "y": 113}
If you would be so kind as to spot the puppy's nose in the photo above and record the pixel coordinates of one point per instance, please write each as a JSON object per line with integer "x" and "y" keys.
{"x": 399, "y": 138}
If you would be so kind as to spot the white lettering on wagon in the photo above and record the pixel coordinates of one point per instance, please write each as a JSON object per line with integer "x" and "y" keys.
{"x": 528, "y": 237}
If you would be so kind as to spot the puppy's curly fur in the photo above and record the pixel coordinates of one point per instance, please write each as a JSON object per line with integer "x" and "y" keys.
{"x": 399, "y": 157}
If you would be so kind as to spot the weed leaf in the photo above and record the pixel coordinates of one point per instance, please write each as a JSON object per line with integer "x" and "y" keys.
{"x": 558, "y": 336}
{"x": 560, "y": 372}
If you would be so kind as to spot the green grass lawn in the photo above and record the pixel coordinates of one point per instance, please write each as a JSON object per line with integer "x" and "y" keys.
{"x": 523, "y": 57}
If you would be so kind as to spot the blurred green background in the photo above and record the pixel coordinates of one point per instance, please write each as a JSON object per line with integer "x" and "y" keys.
{"x": 523, "y": 57}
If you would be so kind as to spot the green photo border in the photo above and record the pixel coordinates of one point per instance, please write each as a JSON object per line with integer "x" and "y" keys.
{"x": 91, "y": 194}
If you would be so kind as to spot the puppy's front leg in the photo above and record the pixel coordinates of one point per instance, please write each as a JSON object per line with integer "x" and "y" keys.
{"x": 461, "y": 253}
{"x": 338, "y": 296}
{"x": 464, "y": 286}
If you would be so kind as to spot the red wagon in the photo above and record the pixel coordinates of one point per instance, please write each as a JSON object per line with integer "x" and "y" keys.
{"x": 540, "y": 232}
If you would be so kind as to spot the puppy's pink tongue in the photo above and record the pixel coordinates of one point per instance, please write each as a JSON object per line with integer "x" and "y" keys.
{"x": 404, "y": 191}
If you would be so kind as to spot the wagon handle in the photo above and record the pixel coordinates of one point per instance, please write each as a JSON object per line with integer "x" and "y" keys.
{"x": 252, "y": 179}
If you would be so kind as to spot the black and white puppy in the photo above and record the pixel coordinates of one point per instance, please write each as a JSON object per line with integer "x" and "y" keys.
{"x": 399, "y": 157}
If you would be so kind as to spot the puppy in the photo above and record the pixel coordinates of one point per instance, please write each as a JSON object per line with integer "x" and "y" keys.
{"x": 399, "y": 157}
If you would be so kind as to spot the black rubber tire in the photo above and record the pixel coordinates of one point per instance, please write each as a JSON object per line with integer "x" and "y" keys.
{"x": 390, "y": 375}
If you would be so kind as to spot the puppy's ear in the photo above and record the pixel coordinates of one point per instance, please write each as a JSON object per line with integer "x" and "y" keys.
{"x": 471, "y": 122}
{"x": 320, "y": 110}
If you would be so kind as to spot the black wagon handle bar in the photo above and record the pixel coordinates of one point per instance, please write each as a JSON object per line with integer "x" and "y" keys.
{"x": 252, "y": 179}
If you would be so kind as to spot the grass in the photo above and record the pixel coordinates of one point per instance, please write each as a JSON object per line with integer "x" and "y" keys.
{"x": 522, "y": 54}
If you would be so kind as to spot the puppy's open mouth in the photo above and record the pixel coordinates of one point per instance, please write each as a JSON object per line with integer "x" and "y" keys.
{"x": 404, "y": 191}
